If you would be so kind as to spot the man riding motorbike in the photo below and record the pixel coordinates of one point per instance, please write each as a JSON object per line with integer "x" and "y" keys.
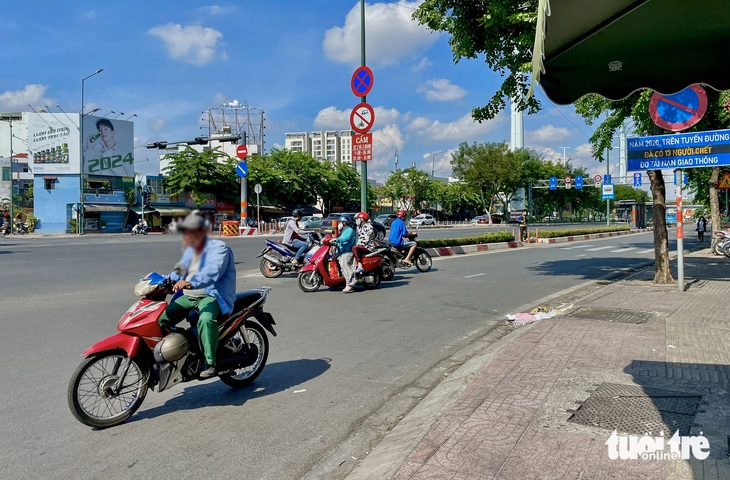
{"x": 292, "y": 229}
{"x": 365, "y": 237}
{"x": 140, "y": 227}
{"x": 398, "y": 230}
{"x": 208, "y": 285}
{"x": 346, "y": 259}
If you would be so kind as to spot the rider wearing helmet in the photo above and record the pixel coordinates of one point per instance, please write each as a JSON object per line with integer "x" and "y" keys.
{"x": 398, "y": 230}
{"x": 294, "y": 236}
{"x": 365, "y": 237}
{"x": 344, "y": 244}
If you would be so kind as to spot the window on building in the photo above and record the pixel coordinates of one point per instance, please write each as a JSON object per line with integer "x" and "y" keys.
{"x": 156, "y": 186}
{"x": 6, "y": 174}
{"x": 49, "y": 183}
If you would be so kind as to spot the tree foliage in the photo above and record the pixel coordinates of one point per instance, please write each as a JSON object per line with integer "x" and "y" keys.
{"x": 502, "y": 31}
{"x": 200, "y": 174}
{"x": 410, "y": 187}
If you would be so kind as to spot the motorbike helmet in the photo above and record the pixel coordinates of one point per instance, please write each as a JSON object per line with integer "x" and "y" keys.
{"x": 297, "y": 213}
{"x": 401, "y": 214}
{"x": 345, "y": 220}
{"x": 171, "y": 348}
{"x": 363, "y": 215}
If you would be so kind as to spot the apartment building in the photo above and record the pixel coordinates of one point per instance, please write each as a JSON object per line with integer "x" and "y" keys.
{"x": 332, "y": 145}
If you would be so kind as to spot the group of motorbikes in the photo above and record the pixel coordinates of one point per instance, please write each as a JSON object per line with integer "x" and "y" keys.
{"x": 720, "y": 243}
{"x": 21, "y": 228}
{"x": 320, "y": 265}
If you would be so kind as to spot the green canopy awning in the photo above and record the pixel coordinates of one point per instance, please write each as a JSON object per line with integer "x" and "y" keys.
{"x": 614, "y": 47}
{"x": 172, "y": 211}
{"x": 138, "y": 210}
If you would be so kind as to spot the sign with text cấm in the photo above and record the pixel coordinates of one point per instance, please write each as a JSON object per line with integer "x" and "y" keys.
{"x": 682, "y": 150}
{"x": 362, "y": 147}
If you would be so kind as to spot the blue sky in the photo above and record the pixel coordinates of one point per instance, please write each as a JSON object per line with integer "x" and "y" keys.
{"x": 169, "y": 61}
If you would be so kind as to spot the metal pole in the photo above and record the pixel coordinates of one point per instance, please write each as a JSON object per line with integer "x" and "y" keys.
{"x": 258, "y": 213}
{"x": 244, "y": 193}
{"x": 529, "y": 202}
{"x": 678, "y": 180}
{"x": 608, "y": 202}
{"x": 80, "y": 207}
{"x": 12, "y": 185}
{"x": 363, "y": 165}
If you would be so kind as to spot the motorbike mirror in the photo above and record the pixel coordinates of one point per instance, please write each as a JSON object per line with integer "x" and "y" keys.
{"x": 179, "y": 269}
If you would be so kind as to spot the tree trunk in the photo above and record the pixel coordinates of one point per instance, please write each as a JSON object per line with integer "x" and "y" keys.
{"x": 662, "y": 273}
{"x": 715, "y": 216}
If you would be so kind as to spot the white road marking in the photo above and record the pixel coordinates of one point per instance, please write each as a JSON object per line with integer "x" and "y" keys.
{"x": 574, "y": 246}
{"x": 648, "y": 250}
{"x": 621, "y": 250}
{"x": 581, "y": 255}
{"x": 475, "y": 275}
{"x": 600, "y": 248}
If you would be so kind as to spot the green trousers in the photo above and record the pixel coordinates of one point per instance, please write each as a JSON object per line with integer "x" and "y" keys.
{"x": 209, "y": 311}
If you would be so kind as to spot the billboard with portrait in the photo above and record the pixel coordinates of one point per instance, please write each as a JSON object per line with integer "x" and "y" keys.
{"x": 53, "y": 143}
{"x": 108, "y": 147}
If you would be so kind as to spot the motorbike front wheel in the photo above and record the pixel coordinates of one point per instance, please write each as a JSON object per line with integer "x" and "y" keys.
{"x": 134, "y": 233}
{"x": 269, "y": 269}
{"x": 423, "y": 261}
{"x": 374, "y": 281}
{"x": 310, "y": 281}
{"x": 244, "y": 376}
{"x": 92, "y": 395}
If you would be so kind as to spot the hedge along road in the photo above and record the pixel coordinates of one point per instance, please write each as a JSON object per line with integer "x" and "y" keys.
{"x": 333, "y": 363}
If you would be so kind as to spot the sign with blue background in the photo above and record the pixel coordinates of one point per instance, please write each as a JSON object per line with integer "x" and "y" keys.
{"x": 637, "y": 180}
{"x": 579, "y": 182}
{"x": 242, "y": 170}
{"x": 553, "y": 183}
{"x": 682, "y": 150}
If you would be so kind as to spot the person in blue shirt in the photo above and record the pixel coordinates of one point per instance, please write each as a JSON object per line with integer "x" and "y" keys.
{"x": 398, "y": 230}
{"x": 208, "y": 285}
{"x": 346, "y": 259}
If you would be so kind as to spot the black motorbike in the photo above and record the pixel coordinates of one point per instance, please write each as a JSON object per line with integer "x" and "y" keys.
{"x": 21, "y": 228}
{"x": 396, "y": 257}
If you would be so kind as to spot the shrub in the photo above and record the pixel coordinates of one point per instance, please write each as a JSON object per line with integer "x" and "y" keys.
{"x": 580, "y": 231}
{"x": 490, "y": 237}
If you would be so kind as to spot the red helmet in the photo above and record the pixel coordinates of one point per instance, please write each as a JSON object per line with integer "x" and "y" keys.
{"x": 401, "y": 214}
{"x": 363, "y": 215}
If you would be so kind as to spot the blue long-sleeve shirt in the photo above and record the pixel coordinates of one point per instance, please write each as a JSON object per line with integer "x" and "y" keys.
{"x": 345, "y": 241}
{"x": 217, "y": 274}
{"x": 398, "y": 230}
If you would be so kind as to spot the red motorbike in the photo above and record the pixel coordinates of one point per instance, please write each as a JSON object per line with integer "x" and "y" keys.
{"x": 112, "y": 380}
{"x": 324, "y": 269}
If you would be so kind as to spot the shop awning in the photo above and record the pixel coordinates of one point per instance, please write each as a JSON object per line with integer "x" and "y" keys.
{"x": 172, "y": 211}
{"x": 615, "y": 47}
{"x": 95, "y": 207}
{"x": 138, "y": 210}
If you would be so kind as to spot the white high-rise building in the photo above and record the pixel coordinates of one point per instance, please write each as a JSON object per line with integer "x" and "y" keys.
{"x": 333, "y": 146}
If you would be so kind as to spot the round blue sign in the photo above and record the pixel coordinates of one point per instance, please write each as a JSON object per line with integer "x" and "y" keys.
{"x": 678, "y": 111}
{"x": 242, "y": 170}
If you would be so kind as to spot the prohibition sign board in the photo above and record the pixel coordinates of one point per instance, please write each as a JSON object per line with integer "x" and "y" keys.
{"x": 679, "y": 111}
{"x": 242, "y": 152}
{"x": 362, "y": 118}
{"x": 362, "y": 81}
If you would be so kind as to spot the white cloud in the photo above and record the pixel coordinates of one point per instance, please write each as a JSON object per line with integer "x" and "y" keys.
{"x": 461, "y": 129}
{"x": 423, "y": 64}
{"x": 191, "y": 44}
{"x": 548, "y": 133}
{"x": 216, "y": 10}
{"x": 391, "y": 35}
{"x": 30, "y": 95}
{"x": 90, "y": 14}
{"x": 441, "y": 90}
{"x": 332, "y": 118}
{"x": 157, "y": 124}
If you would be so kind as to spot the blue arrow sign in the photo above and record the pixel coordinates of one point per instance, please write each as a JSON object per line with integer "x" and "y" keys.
{"x": 637, "y": 180}
{"x": 242, "y": 170}
{"x": 607, "y": 180}
{"x": 579, "y": 182}
{"x": 553, "y": 183}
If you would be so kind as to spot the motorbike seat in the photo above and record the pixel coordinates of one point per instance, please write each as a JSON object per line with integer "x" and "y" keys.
{"x": 288, "y": 247}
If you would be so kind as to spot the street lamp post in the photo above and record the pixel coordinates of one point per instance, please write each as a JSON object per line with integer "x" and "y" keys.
{"x": 433, "y": 162}
{"x": 80, "y": 211}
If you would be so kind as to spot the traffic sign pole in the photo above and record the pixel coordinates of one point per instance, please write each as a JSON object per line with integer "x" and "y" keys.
{"x": 363, "y": 165}
{"x": 608, "y": 202}
{"x": 678, "y": 174}
{"x": 244, "y": 185}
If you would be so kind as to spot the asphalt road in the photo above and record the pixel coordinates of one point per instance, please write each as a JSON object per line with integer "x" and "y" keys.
{"x": 336, "y": 360}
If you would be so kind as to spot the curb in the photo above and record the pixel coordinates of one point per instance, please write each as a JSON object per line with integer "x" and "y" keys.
{"x": 466, "y": 249}
{"x": 592, "y": 236}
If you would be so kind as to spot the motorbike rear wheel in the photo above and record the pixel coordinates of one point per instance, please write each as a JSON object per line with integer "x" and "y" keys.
{"x": 422, "y": 260}
{"x": 244, "y": 376}
{"x": 388, "y": 268}
{"x": 374, "y": 283}
{"x": 309, "y": 281}
{"x": 269, "y": 269}
{"x": 91, "y": 398}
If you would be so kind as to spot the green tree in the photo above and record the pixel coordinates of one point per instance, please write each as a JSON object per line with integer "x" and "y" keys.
{"x": 410, "y": 187}
{"x": 200, "y": 174}
{"x": 502, "y": 31}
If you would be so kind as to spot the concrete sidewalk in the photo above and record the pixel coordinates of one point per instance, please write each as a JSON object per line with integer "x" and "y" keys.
{"x": 543, "y": 402}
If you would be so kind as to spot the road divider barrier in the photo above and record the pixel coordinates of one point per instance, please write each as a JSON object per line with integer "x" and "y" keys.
{"x": 230, "y": 228}
{"x": 592, "y": 236}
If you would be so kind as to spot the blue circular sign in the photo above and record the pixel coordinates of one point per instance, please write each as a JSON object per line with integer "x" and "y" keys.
{"x": 678, "y": 111}
{"x": 242, "y": 170}
{"x": 362, "y": 82}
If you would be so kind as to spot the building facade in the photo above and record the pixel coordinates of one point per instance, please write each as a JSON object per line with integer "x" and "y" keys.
{"x": 332, "y": 146}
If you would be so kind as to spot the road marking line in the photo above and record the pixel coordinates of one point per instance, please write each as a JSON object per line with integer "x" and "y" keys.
{"x": 621, "y": 250}
{"x": 600, "y": 248}
{"x": 475, "y": 275}
{"x": 581, "y": 255}
{"x": 575, "y": 246}
{"x": 648, "y": 250}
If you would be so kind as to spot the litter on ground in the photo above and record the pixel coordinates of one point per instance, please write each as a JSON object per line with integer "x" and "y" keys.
{"x": 538, "y": 313}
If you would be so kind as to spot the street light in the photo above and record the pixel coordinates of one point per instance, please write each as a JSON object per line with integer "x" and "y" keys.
{"x": 132, "y": 115}
{"x": 80, "y": 211}
{"x": 433, "y": 161}
{"x": 119, "y": 115}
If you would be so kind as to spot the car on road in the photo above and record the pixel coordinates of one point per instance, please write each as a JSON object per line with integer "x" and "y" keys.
{"x": 484, "y": 220}
{"x": 422, "y": 220}
{"x": 386, "y": 218}
{"x": 312, "y": 223}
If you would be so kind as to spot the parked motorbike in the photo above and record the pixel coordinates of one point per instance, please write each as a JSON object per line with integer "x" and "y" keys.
{"x": 21, "y": 228}
{"x": 113, "y": 379}
{"x": 720, "y": 243}
{"x": 323, "y": 269}
{"x": 396, "y": 258}
{"x": 277, "y": 258}
{"x": 140, "y": 229}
